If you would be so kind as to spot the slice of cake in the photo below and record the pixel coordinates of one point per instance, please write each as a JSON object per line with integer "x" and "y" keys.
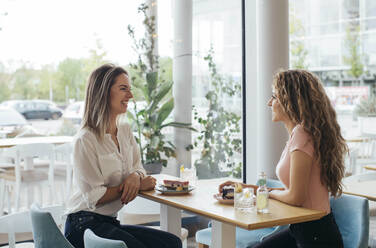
{"x": 176, "y": 185}
{"x": 228, "y": 192}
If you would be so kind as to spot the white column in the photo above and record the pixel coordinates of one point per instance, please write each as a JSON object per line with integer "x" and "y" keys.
{"x": 251, "y": 68}
{"x": 182, "y": 77}
{"x": 273, "y": 32}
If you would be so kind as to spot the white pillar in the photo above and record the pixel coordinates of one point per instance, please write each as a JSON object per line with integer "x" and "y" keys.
{"x": 251, "y": 68}
{"x": 273, "y": 32}
{"x": 182, "y": 77}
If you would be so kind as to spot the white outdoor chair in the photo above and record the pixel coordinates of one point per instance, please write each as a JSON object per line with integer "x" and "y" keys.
{"x": 366, "y": 152}
{"x": 25, "y": 176}
{"x": 350, "y": 162}
{"x": 360, "y": 178}
{"x": 63, "y": 167}
{"x": 21, "y": 223}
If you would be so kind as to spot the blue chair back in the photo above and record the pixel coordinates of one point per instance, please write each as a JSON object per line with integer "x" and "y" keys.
{"x": 272, "y": 183}
{"x": 93, "y": 241}
{"x": 46, "y": 233}
{"x": 352, "y": 216}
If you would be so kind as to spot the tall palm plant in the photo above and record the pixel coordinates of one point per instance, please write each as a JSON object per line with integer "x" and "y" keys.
{"x": 150, "y": 120}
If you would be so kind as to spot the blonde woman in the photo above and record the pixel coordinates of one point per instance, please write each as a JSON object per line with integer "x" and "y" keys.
{"x": 107, "y": 167}
{"x": 312, "y": 164}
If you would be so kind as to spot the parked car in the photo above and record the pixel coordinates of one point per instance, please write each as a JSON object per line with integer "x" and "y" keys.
{"x": 74, "y": 112}
{"x": 11, "y": 122}
{"x": 35, "y": 109}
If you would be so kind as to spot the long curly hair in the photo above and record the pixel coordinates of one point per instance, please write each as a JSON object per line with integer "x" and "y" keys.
{"x": 303, "y": 98}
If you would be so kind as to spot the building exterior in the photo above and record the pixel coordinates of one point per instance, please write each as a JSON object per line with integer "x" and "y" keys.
{"x": 328, "y": 30}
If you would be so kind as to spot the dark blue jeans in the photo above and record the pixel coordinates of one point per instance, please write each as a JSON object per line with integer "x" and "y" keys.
{"x": 110, "y": 228}
{"x": 322, "y": 233}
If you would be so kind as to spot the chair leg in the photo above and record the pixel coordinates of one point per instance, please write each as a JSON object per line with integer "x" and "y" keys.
{"x": 202, "y": 245}
{"x": 17, "y": 197}
{"x": 2, "y": 194}
{"x": 40, "y": 191}
{"x": 30, "y": 195}
{"x": 8, "y": 194}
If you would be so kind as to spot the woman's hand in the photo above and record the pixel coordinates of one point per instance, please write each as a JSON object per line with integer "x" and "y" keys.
{"x": 130, "y": 188}
{"x": 231, "y": 183}
{"x": 148, "y": 183}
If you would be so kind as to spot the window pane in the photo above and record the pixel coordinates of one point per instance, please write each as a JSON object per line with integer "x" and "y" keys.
{"x": 338, "y": 41}
{"x": 217, "y": 70}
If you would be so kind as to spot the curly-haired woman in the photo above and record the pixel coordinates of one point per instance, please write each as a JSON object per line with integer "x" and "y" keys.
{"x": 312, "y": 164}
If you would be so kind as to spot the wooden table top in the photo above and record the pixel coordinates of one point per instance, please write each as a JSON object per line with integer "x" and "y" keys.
{"x": 364, "y": 189}
{"x": 370, "y": 167}
{"x": 355, "y": 139}
{"x": 201, "y": 201}
{"x": 4, "y": 143}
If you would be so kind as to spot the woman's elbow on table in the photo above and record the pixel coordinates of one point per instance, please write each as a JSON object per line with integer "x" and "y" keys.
{"x": 289, "y": 197}
{"x": 297, "y": 199}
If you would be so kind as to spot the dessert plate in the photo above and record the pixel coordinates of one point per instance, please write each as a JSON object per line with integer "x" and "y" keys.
{"x": 219, "y": 198}
{"x": 166, "y": 191}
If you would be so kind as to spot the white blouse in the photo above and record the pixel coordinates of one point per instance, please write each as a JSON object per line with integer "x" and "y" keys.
{"x": 98, "y": 165}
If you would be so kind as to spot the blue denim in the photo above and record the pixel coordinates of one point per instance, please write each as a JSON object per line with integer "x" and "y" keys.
{"x": 322, "y": 233}
{"x": 110, "y": 228}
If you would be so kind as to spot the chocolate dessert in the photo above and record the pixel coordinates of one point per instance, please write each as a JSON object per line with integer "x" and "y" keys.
{"x": 228, "y": 192}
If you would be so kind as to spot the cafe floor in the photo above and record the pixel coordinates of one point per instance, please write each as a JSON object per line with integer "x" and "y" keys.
{"x": 202, "y": 224}
{"x": 192, "y": 242}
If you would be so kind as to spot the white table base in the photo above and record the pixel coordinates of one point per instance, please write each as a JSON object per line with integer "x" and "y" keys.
{"x": 171, "y": 220}
{"x": 223, "y": 235}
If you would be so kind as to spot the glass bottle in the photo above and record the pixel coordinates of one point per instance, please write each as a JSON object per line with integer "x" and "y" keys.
{"x": 262, "y": 198}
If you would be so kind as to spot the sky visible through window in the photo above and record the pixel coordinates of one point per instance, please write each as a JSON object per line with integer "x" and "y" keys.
{"x": 39, "y": 32}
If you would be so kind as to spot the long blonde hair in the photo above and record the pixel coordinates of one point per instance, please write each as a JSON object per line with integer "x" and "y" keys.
{"x": 97, "y": 100}
{"x": 304, "y": 100}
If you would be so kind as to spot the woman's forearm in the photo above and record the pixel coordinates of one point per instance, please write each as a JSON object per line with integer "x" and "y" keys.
{"x": 255, "y": 187}
{"x": 112, "y": 194}
{"x": 286, "y": 197}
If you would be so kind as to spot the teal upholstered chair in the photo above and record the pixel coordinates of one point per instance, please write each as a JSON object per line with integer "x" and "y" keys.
{"x": 244, "y": 238}
{"x": 93, "y": 241}
{"x": 352, "y": 216}
{"x": 46, "y": 233}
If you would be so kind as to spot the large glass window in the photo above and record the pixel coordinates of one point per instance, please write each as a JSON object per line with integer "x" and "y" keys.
{"x": 339, "y": 47}
{"x": 217, "y": 70}
{"x": 370, "y": 10}
{"x": 370, "y": 48}
{"x": 51, "y": 55}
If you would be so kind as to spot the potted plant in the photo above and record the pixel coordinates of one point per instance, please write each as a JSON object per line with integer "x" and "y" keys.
{"x": 155, "y": 90}
{"x": 219, "y": 138}
{"x": 366, "y": 113}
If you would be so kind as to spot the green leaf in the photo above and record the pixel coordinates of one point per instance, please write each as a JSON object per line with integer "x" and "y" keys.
{"x": 151, "y": 80}
{"x": 164, "y": 112}
{"x": 162, "y": 92}
{"x": 179, "y": 125}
